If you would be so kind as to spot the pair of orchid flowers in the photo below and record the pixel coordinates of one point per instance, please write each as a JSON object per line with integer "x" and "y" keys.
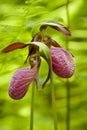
{"x": 41, "y": 45}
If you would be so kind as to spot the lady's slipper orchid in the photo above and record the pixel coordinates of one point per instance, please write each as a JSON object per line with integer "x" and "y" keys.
{"x": 62, "y": 62}
{"x": 20, "y": 81}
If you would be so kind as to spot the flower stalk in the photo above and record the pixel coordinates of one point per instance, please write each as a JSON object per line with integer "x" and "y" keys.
{"x": 68, "y": 105}
{"x": 32, "y": 106}
{"x": 53, "y": 97}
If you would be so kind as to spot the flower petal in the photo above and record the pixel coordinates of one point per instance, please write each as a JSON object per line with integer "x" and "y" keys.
{"x": 20, "y": 82}
{"x": 62, "y": 62}
{"x": 57, "y": 26}
{"x": 14, "y": 46}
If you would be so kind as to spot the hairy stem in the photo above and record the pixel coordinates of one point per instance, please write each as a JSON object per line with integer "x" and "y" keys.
{"x": 32, "y": 106}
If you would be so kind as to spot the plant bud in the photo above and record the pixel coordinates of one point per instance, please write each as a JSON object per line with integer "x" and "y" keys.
{"x": 20, "y": 82}
{"x": 62, "y": 62}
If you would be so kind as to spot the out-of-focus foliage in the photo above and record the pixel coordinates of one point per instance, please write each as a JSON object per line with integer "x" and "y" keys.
{"x": 18, "y": 22}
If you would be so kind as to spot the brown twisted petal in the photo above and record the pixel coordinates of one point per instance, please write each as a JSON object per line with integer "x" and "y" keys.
{"x": 20, "y": 82}
{"x": 62, "y": 62}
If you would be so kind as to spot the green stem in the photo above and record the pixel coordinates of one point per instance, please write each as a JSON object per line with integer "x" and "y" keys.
{"x": 68, "y": 105}
{"x": 32, "y": 106}
{"x": 53, "y": 100}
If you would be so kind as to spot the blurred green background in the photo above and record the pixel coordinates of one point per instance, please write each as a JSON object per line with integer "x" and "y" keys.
{"x": 18, "y": 22}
